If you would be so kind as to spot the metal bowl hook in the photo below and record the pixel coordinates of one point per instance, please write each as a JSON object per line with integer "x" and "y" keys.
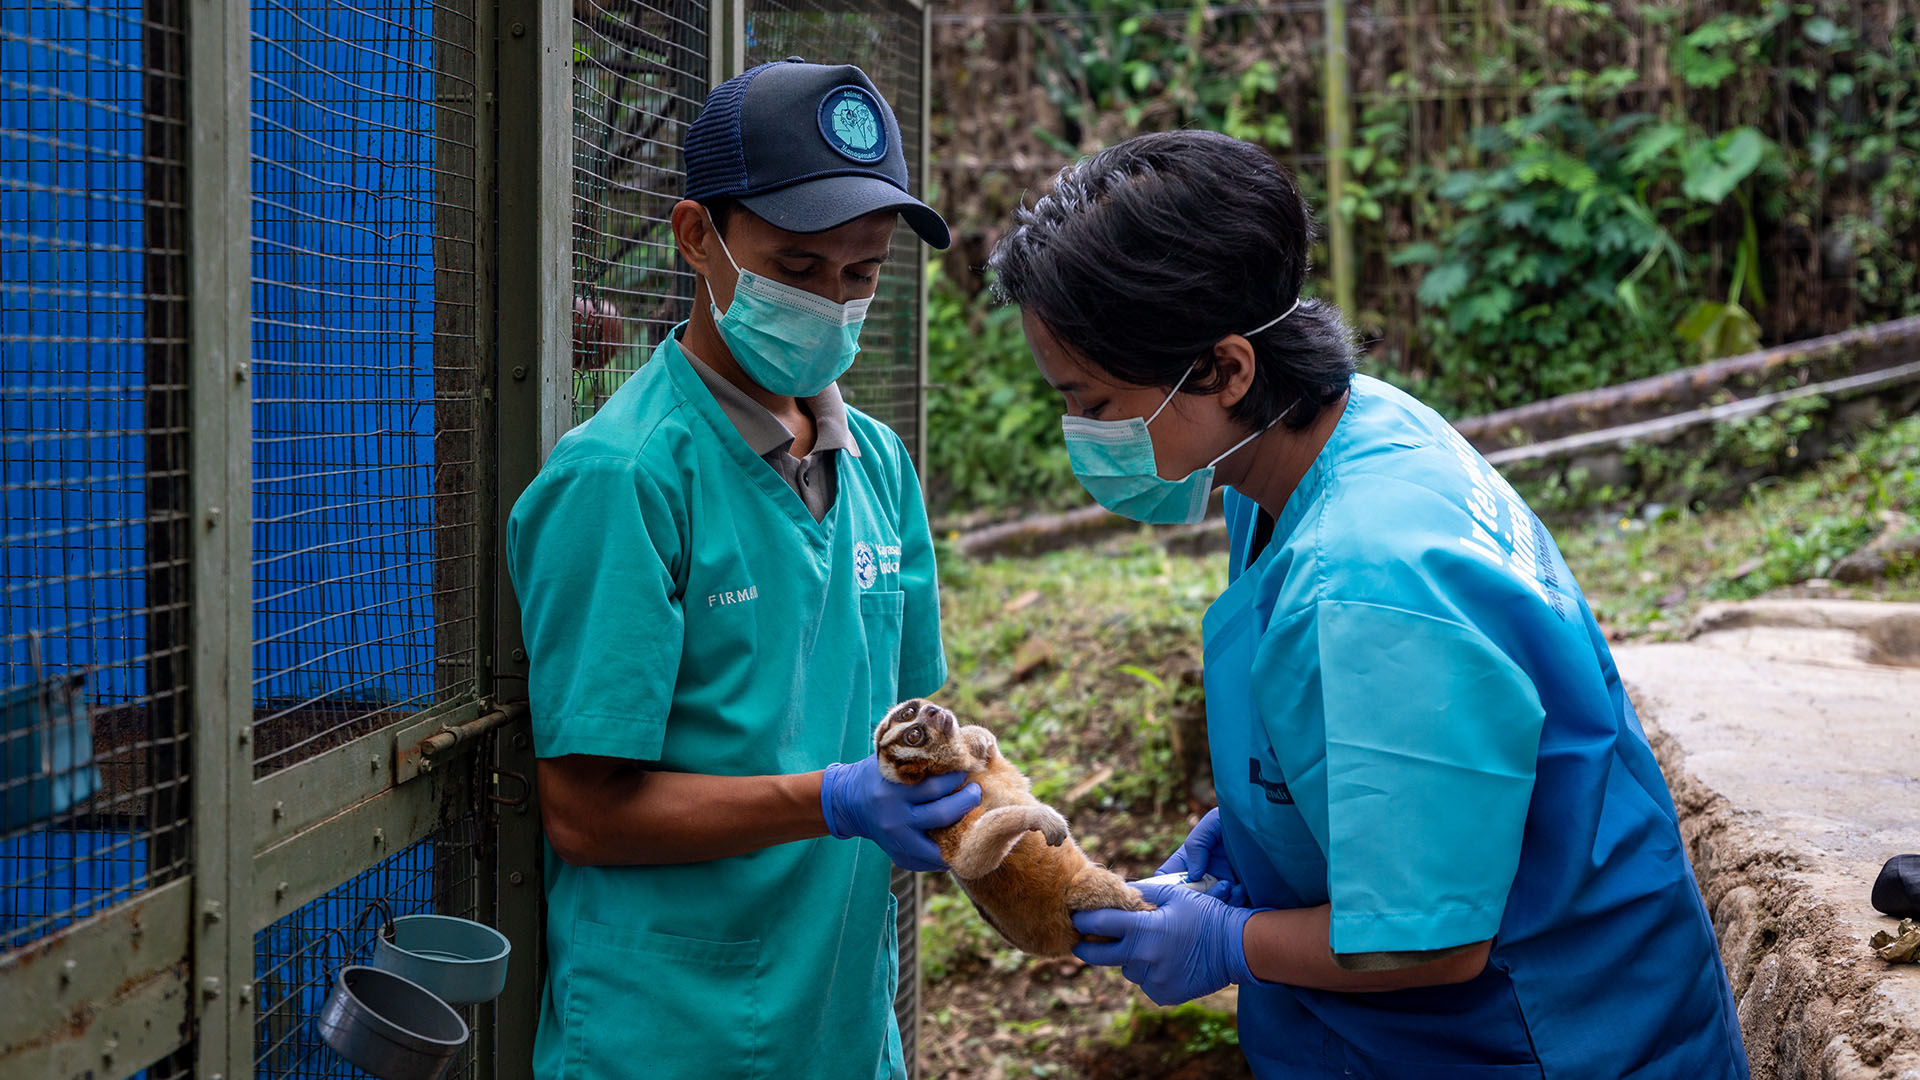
{"x": 385, "y": 929}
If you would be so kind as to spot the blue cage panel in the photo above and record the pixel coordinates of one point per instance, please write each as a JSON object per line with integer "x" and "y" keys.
{"x": 93, "y": 543}
{"x": 365, "y": 378}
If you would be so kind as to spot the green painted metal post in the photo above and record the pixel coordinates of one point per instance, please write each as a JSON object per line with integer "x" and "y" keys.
{"x": 920, "y": 168}
{"x": 531, "y": 381}
{"x": 220, "y": 479}
{"x": 1339, "y": 137}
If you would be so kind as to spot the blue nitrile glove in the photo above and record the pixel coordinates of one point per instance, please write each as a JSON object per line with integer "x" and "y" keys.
{"x": 1188, "y": 947}
{"x": 858, "y": 801}
{"x": 1205, "y": 852}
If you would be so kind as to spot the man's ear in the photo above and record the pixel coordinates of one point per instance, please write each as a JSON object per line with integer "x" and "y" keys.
{"x": 1233, "y": 365}
{"x": 693, "y": 233}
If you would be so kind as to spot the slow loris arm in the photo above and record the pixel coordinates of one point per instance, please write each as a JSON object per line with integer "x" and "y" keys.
{"x": 603, "y": 811}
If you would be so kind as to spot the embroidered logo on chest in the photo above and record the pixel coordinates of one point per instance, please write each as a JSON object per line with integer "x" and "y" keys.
{"x": 872, "y": 560}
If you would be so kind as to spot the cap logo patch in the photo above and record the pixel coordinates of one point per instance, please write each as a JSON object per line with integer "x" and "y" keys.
{"x": 850, "y": 122}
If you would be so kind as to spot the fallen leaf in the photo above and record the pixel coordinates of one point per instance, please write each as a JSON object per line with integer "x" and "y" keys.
{"x": 1902, "y": 947}
{"x": 1033, "y": 655}
{"x": 1745, "y": 568}
{"x": 1079, "y": 790}
{"x": 1022, "y": 602}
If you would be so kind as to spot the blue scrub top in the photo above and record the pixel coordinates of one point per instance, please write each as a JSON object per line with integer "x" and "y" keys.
{"x": 1414, "y": 718}
{"x": 683, "y": 608}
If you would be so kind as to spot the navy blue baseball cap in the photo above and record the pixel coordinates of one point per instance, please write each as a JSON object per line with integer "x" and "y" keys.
{"x": 807, "y": 147}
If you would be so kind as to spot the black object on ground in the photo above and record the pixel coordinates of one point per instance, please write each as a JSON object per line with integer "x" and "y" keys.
{"x": 1897, "y": 892}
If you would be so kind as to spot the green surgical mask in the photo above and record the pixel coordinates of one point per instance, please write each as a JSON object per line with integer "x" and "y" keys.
{"x": 790, "y": 341}
{"x": 1113, "y": 460}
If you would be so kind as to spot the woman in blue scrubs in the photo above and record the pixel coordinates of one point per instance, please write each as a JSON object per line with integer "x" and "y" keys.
{"x": 1444, "y": 845}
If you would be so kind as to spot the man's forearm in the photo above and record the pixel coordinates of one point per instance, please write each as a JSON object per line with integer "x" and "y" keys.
{"x": 624, "y": 816}
{"x": 1290, "y": 946}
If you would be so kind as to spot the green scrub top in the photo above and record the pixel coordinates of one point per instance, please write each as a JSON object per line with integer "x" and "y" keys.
{"x": 682, "y": 608}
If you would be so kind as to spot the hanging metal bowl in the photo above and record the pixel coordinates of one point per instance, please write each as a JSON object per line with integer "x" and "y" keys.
{"x": 460, "y": 961}
{"x": 389, "y": 1026}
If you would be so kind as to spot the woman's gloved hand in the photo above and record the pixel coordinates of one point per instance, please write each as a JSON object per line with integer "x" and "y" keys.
{"x": 1187, "y": 947}
{"x": 1205, "y": 852}
{"x": 857, "y": 801}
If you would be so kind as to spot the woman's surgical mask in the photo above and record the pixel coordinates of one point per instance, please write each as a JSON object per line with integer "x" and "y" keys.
{"x": 1113, "y": 460}
{"x": 790, "y": 341}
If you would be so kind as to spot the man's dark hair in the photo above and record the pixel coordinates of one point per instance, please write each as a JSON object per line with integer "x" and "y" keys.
{"x": 1145, "y": 255}
{"x": 721, "y": 209}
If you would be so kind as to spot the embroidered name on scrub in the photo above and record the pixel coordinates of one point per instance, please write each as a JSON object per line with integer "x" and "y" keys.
{"x": 872, "y": 560}
{"x": 735, "y": 596}
{"x": 1514, "y": 546}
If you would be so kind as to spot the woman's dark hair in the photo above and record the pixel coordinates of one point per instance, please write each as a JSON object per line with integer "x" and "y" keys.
{"x": 1145, "y": 255}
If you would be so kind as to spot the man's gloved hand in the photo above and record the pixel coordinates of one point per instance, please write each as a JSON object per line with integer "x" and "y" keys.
{"x": 1205, "y": 852}
{"x": 858, "y": 801}
{"x": 1188, "y": 947}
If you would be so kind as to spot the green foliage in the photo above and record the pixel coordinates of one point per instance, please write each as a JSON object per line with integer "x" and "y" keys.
{"x": 1074, "y": 659}
{"x": 1875, "y": 139}
{"x": 1195, "y": 1027}
{"x": 954, "y": 939}
{"x": 1559, "y": 269}
{"x": 993, "y": 422}
{"x": 1646, "y": 573}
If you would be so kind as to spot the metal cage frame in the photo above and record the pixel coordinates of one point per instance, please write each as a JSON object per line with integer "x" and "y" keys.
{"x": 206, "y": 969}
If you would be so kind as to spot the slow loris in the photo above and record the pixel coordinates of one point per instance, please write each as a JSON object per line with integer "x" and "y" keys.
{"x": 1026, "y": 886}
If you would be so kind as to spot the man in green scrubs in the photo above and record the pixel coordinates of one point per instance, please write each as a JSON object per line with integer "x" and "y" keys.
{"x": 726, "y": 578}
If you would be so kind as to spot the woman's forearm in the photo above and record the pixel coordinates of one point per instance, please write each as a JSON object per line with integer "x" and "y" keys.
{"x": 1290, "y": 946}
{"x": 598, "y": 813}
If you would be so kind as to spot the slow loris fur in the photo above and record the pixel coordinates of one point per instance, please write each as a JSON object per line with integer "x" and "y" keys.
{"x": 1012, "y": 853}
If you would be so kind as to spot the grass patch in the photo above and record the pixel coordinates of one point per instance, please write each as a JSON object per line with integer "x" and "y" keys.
{"x": 1647, "y": 574}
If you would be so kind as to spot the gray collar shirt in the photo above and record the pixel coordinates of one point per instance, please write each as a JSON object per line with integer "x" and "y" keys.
{"x": 815, "y": 478}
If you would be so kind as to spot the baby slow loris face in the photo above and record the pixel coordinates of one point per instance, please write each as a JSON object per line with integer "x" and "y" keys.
{"x": 919, "y": 739}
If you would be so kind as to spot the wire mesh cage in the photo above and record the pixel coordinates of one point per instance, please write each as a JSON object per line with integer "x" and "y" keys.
{"x": 372, "y": 478}
{"x": 93, "y": 602}
{"x": 882, "y": 37}
{"x": 297, "y": 958}
{"x": 365, "y": 371}
{"x": 640, "y": 77}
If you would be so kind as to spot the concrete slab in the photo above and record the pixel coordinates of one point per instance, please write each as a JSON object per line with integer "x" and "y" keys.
{"x": 1790, "y": 735}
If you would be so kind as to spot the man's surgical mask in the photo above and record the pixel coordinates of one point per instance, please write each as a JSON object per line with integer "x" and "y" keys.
{"x": 790, "y": 341}
{"x": 1113, "y": 460}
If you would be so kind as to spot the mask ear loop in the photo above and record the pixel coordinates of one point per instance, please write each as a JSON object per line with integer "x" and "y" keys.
{"x": 1189, "y": 372}
{"x": 1236, "y": 446}
{"x": 737, "y": 272}
{"x": 1283, "y": 413}
{"x": 1274, "y": 322}
{"x": 1176, "y": 389}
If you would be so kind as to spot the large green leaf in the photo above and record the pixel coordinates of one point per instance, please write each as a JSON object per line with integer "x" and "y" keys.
{"x": 1719, "y": 330}
{"x": 1714, "y": 169}
{"x": 1444, "y": 282}
{"x": 1417, "y": 253}
{"x": 1652, "y": 141}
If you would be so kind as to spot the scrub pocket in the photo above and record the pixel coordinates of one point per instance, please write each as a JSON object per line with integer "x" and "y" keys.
{"x": 880, "y": 617}
{"x": 641, "y": 1003}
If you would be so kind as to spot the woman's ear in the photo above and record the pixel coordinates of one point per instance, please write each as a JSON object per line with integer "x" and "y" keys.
{"x": 1233, "y": 365}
